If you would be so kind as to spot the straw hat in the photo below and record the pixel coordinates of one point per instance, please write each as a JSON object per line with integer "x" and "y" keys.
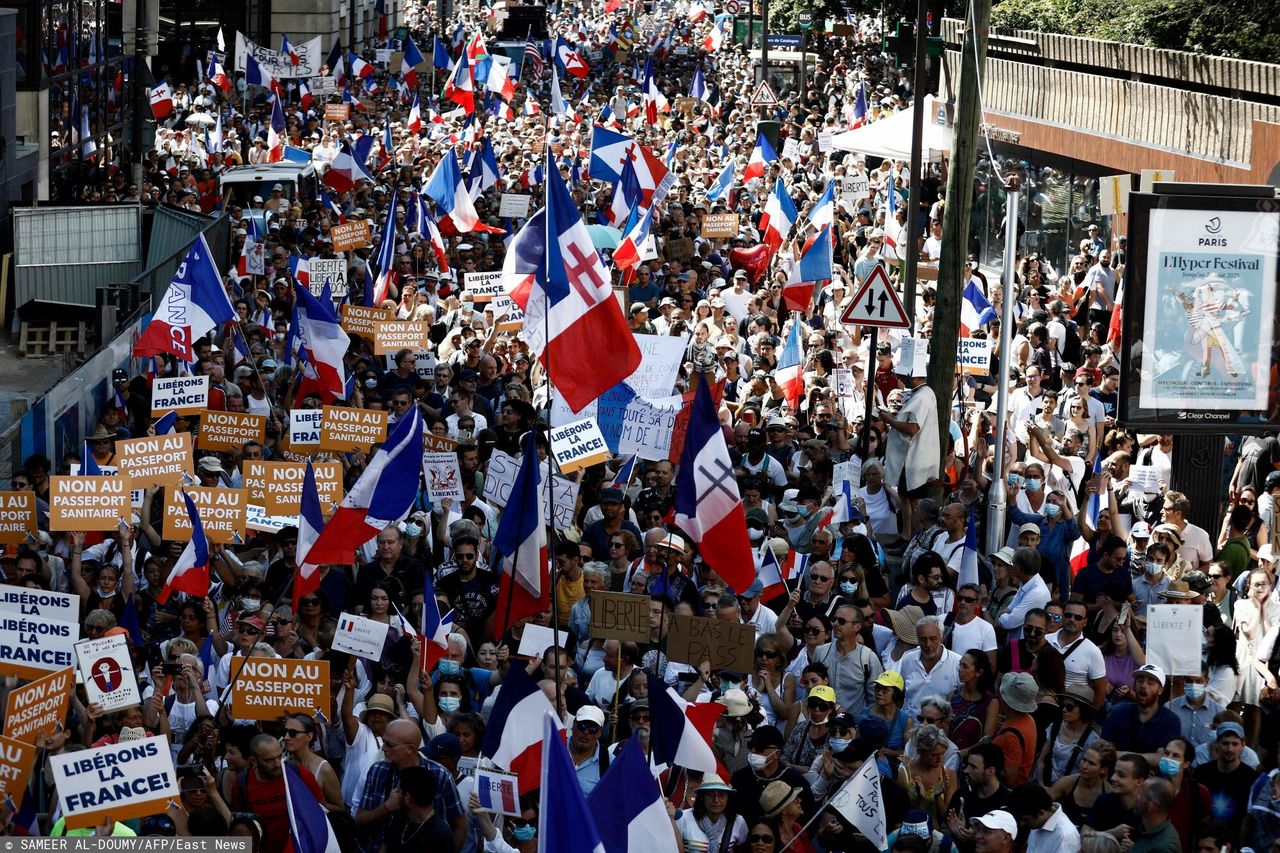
{"x": 904, "y": 623}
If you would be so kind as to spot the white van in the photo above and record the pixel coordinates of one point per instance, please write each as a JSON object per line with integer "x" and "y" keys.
{"x": 245, "y": 182}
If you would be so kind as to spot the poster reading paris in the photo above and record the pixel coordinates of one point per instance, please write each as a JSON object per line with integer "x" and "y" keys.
{"x": 1207, "y": 324}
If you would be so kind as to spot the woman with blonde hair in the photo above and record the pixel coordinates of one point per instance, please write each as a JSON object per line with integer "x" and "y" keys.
{"x": 928, "y": 782}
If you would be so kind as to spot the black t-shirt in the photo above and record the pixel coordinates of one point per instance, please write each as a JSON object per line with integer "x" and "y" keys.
{"x": 1109, "y": 811}
{"x": 473, "y": 600}
{"x": 1228, "y": 792}
{"x": 1108, "y": 401}
{"x": 972, "y": 805}
{"x": 401, "y": 836}
{"x": 1092, "y": 580}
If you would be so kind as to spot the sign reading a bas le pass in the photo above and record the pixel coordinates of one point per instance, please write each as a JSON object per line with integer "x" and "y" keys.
{"x": 156, "y": 460}
{"x": 186, "y": 395}
{"x": 724, "y": 644}
{"x": 484, "y": 286}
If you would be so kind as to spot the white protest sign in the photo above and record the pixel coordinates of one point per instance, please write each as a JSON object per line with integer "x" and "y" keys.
{"x": 1150, "y": 177}
{"x": 359, "y": 636}
{"x": 1174, "y": 632}
{"x": 33, "y": 646}
{"x": 59, "y": 606}
{"x": 499, "y": 792}
{"x": 825, "y": 143}
{"x": 382, "y": 56}
{"x": 973, "y": 355}
{"x": 119, "y": 781}
{"x": 108, "y": 673}
{"x": 309, "y": 54}
{"x": 1145, "y": 478}
{"x": 330, "y": 271}
{"x": 323, "y": 85}
{"x": 860, "y": 801}
{"x": 660, "y": 360}
{"x": 424, "y": 363}
{"x": 647, "y": 427}
{"x": 578, "y": 445}
{"x": 304, "y": 427}
{"x": 483, "y": 286}
{"x": 501, "y": 477}
{"x": 186, "y": 395}
{"x": 256, "y": 518}
{"x": 514, "y": 205}
{"x": 1113, "y": 194}
{"x": 850, "y": 471}
{"x": 791, "y": 149}
{"x": 536, "y": 639}
{"x": 844, "y": 382}
{"x": 443, "y": 476}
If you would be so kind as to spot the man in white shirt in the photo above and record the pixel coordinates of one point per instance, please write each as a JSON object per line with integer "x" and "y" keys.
{"x": 1025, "y": 401}
{"x": 1081, "y": 657}
{"x": 968, "y": 631}
{"x": 930, "y": 670}
{"x": 1047, "y": 827}
{"x": 1196, "y": 548}
{"x": 1032, "y": 592}
{"x": 753, "y": 612}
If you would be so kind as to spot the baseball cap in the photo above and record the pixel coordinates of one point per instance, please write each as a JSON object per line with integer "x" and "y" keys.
{"x": 1029, "y": 527}
{"x": 823, "y": 692}
{"x": 444, "y": 745}
{"x": 1228, "y": 728}
{"x": 889, "y": 678}
{"x": 589, "y": 714}
{"x": 1141, "y": 530}
{"x": 1000, "y": 819}
{"x": 1152, "y": 670}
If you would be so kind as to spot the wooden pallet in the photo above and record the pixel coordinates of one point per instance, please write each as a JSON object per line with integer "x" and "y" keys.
{"x": 53, "y": 339}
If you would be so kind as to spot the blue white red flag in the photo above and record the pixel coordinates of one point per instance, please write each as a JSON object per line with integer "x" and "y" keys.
{"x": 628, "y": 805}
{"x": 969, "y": 557}
{"x": 778, "y": 217}
{"x": 513, "y": 738}
{"x": 435, "y": 628}
{"x": 789, "y": 372}
{"x": 720, "y": 187}
{"x": 975, "y": 310}
{"x": 324, "y": 342}
{"x": 310, "y": 523}
{"x": 447, "y": 189}
{"x": 344, "y": 173}
{"x": 386, "y": 257}
{"x": 524, "y": 587}
{"x": 309, "y": 827}
{"x": 193, "y": 306}
{"x": 88, "y": 465}
{"x": 190, "y": 573}
{"x": 681, "y": 730}
{"x": 761, "y": 156}
{"x": 565, "y": 824}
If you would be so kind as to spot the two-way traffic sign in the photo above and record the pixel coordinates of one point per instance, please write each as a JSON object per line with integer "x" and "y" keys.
{"x": 876, "y": 304}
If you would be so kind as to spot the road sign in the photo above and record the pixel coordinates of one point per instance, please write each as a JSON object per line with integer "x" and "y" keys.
{"x": 805, "y": 20}
{"x": 732, "y": 7}
{"x": 764, "y": 96}
{"x": 876, "y": 304}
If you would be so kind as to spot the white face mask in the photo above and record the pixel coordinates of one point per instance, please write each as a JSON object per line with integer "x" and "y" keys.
{"x": 249, "y": 605}
{"x": 757, "y": 761}
{"x": 755, "y": 535}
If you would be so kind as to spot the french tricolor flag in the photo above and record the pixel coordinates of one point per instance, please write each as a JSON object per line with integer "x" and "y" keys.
{"x": 309, "y": 827}
{"x": 789, "y": 373}
{"x": 975, "y": 310}
{"x": 447, "y": 189}
{"x": 860, "y": 107}
{"x": 769, "y": 573}
{"x": 324, "y": 342}
{"x": 524, "y": 587}
{"x": 190, "y": 573}
{"x": 461, "y": 89}
{"x": 762, "y": 155}
{"x": 310, "y": 523}
{"x": 1080, "y": 548}
{"x": 435, "y": 629}
{"x": 681, "y": 730}
{"x": 358, "y": 66}
{"x": 194, "y": 305}
{"x": 513, "y": 738}
{"x": 779, "y": 215}
{"x": 345, "y": 172}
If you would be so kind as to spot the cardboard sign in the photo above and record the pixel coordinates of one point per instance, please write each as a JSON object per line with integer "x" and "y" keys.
{"x": 120, "y": 781}
{"x": 59, "y": 606}
{"x": 157, "y": 460}
{"x": 679, "y": 250}
{"x": 355, "y": 234}
{"x": 222, "y": 513}
{"x": 484, "y": 286}
{"x": 720, "y": 225}
{"x": 499, "y": 792}
{"x": 973, "y": 356}
{"x": 359, "y": 636}
{"x": 345, "y": 429}
{"x": 16, "y": 760}
{"x": 431, "y": 441}
{"x": 17, "y": 517}
{"x": 186, "y": 395}
{"x": 1173, "y": 637}
{"x": 269, "y": 688}
{"x": 36, "y": 710}
{"x": 391, "y": 336}
{"x": 330, "y": 271}
{"x": 230, "y": 430}
{"x": 536, "y": 639}
{"x": 363, "y": 322}
{"x": 304, "y": 428}
{"x": 619, "y": 616}
{"x": 514, "y": 205}
{"x": 34, "y": 646}
{"x": 727, "y": 645}
{"x": 507, "y": 314}
{"x": 89, "y": 503}
{"x": 337, "y": 112}
{"x": 578, "y": 445}
{"x": 107, "y": 672}
{"x": 281, "y": 484}
{"x": 791, "y": 149}
{"x": 443, "y": 477}
{"x": 501, "y": 477}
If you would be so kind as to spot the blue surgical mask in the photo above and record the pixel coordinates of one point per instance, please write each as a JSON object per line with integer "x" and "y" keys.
{"x": 450, "y": 704}
{"x": 1169, "y": 768}
{"x": 524, "y": 833}
{"x": 449, "y": 667}
{"x": 1194, "y": 691}
{"x": 848, "y": 587}
{"x": 413, "y": 531}
{"x": 1052, "y": 510}
{"x": 1015, "y": 480}
{"x": 726, "y": 685}
{"x": 1034, "y": 484}
{"x": 1153, "y": 568}
{"x": 839, "y": 744}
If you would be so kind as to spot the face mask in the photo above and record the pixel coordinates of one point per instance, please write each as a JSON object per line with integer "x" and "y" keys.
{"x": 413, "y": 531}
{"x": 371, "y": 383}
{"x": 450, "y": 704}
{"x": 279, "y": 336}
{"x": 249, "y": 605}
{"x": 105, "y": 595}
{"x": 755, "y": 535}
{"x": 848, "y": 587}
{"x": 1015, "y": 480}
{"x": 1052, "y": 510}
{"x": 524, "y": 833}
{"x": 1168, "y": 767}
{"x": 1034, "y": 484}
{"x": 1194, "y": 691}
{"x": 757, "y": 761}
{"x": 1153, "y": 568}
{"x": 726, "y": 685}
{"x": 449, "y": 667}
{"x": 839, "y": 744}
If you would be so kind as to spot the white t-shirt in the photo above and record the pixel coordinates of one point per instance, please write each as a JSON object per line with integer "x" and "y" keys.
{"x": 1085, "y": 662}
{"x": 1196, "y": 547}
{"x": 977, "y": 634}
{"x": 361, "y": 754}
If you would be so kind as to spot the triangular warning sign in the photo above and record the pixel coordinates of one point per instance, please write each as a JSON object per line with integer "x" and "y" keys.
{"x": 876, "y": 304}
{"x": 764, "y": 96}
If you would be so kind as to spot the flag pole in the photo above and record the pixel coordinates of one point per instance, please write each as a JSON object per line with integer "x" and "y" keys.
{"x": 548, "y": 237}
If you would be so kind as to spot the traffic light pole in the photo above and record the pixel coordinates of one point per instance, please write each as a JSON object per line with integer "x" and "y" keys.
{"x": 917, "y": 142}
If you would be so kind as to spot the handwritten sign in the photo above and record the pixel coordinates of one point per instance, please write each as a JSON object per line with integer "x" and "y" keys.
{"x": 186, "y": 395}
{"x": 720, "y": 225}
{"x": 1145, "y": 478}
{"x": 724, "y": 644}
{"x": 119, "y": 781}
{"x": 825, "y": 141}
{"x": 17, "y": 516}
{"x": 156, "y": 460}
{"x": 501, "y": 477}
{"x": 391, "y": 336}
{"x": 230, "y": 430}
{"x": 107, "y": 672}
{"x": 35, "y": 710}
{"x": 345, "y": 429}
{"x": 89, "y": 503}
{"x": 359, "y": 636}
{"x": 363, "y": 322}
{"x": 269, "y": 688}
{"x": 355, "y": 234}
{"x": 578, "y": 445}
{"x": 330, "y": 271}
{"x": 443, "y": 476}
{"x": 324, "y": 84}
{"x": 1113, "y": 194}
{"x": 484, "y": 286}
{"x": 861, "y": 802}
{"x": 222, "y": 513}
{"x": 1173, "y": 637}
{"x": 499, "y": 792}
{"x": 514, "y": 205}
{"x": 304, "y": 428}
{"x": 619, "y": 616}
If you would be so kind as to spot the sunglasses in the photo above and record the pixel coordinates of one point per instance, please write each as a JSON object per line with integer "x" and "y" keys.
{"x": 759, "y": 839}
{"x": 296, "y": 733}
{"x": 616, "y": 544}
{"x": 1070, "y": 706}
{"x": 840, "y": 620}
{"x": 309, "y": 602}
{"x": 250, "y": 630}
{"x": 823, "y": 578}
{"x": 927, "y": 721}
{"x": 640, "y": 717}
{"x": 1075, "y": 617}
{"x": 812, "y": 631}
{"x": 1033, "y": 632}
{"x": 819, "y": 705}
{"x": 1214, "y": 577}
{"x": 587, "y": 726}
{"x": 967, "y": 599}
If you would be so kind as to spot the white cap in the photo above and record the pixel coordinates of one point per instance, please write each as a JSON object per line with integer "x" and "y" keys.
{"x": 589, "y": 714}
{"x": 1000, "y": 819}
{"x": 1141, "y": 530}
{"x": 1153, "y": 671}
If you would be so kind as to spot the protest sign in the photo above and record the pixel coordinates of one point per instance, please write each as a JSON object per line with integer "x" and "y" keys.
{"x": 390, "y": 336}
{"x": 16, "y": 760}
{"x": 791, "y": 149}
{"x": 59, "y": 606}
{"x": 107, "y": 672}
{"x": 502, "y": 476}
{"x": 1113, "y": 194}
{"x": 1148, "y": 179}
{"x": 89, "y": 503}
{"x": 363, "y": 322}
{"x": 861, "y": 803}
{"x": 115, "y": 782}
{"x": 337, "y": 112}
{"x": 230, "y": 430}
{"x": 36, "y": 709}
{"x": 484, "y": 286}
{"x": 646, "y": 426}
{"x": 345, "y": 429}
{"x": 825, "y": 141}
{"x": 619, "y": 616}
{"x": 1144, "y": 478}
{"x": 34, "y": 646}
{"x": 499, "y": 792}
{"x": 330, "y": 271}
{"x": 578, "y": 445}
{"x": 680, "y": 249}
{"x": 256, "y": 518}
{"x": 536, "y": 639}
{"x": 304, "y": 60}
{"x": 847, "y": 472}
{"x": 304, "y": 428}
{"x": 359, "y": 636}
{"x": 973, "y": 356}
{"x": 443, "y": 476}
{"x": 431, "y": 441}
{"x": 1173, "y": 637}
{"x": 186, "y": 395}
{"x": 222, "y": 513}
{"x": 159, "y": 460}
{"x": 514, "y": 205}
{"x": 281, "y": 484}
{"x": 382, "y": 56}
{"x": 17, "y": 517}
{"x": 136, "y": 494}
{"x": 720, "y": 225}
{"x": 660, "y": 360}
{"x": 324, "y": 84}
{"x": 269, "y": 688}
{"x": 507, "y": 314}
{"x": 726, "y": 645}
{"x": 346, "y": 236}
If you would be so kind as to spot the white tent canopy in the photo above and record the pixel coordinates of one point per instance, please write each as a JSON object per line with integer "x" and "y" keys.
{"x": 890, "y": 138}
